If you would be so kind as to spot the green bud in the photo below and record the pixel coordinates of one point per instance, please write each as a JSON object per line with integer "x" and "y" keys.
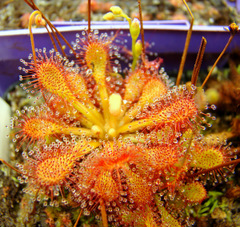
{"x": 108, "y": 16}
{"x": 116, "y": 10}
{"x": 135, "y": 28}
{"x": 138, "y": 47}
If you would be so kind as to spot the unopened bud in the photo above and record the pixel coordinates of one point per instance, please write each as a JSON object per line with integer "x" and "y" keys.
{"x": 39, "y": 20}
{"x": 96, "y": 129}
{"x": 115, "y": 103}
{"x": 233, "y": 28}
{"x": 108, "y": 16}
{"x": 138, "y": 47}
{"x": 116, "y": 10}
{"x": 135, "y": 28}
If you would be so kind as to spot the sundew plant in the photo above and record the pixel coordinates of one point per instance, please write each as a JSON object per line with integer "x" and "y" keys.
{"x": 126, "y": 148}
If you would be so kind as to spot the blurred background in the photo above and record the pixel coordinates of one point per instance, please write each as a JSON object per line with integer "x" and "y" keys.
{"x": 14, "y": 14}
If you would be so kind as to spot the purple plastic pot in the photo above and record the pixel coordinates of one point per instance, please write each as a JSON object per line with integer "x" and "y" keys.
{"x": 166, "y": 38}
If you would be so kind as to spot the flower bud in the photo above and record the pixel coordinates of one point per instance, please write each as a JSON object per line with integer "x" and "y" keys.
{"x": 108, "y": 16}
{"x": 138, "y": 47}
{"x": 115, "y": 103}
{"x": 116, "y": 10}
{"x": 135, "y": 28}
{"x": 39, "y": 21}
